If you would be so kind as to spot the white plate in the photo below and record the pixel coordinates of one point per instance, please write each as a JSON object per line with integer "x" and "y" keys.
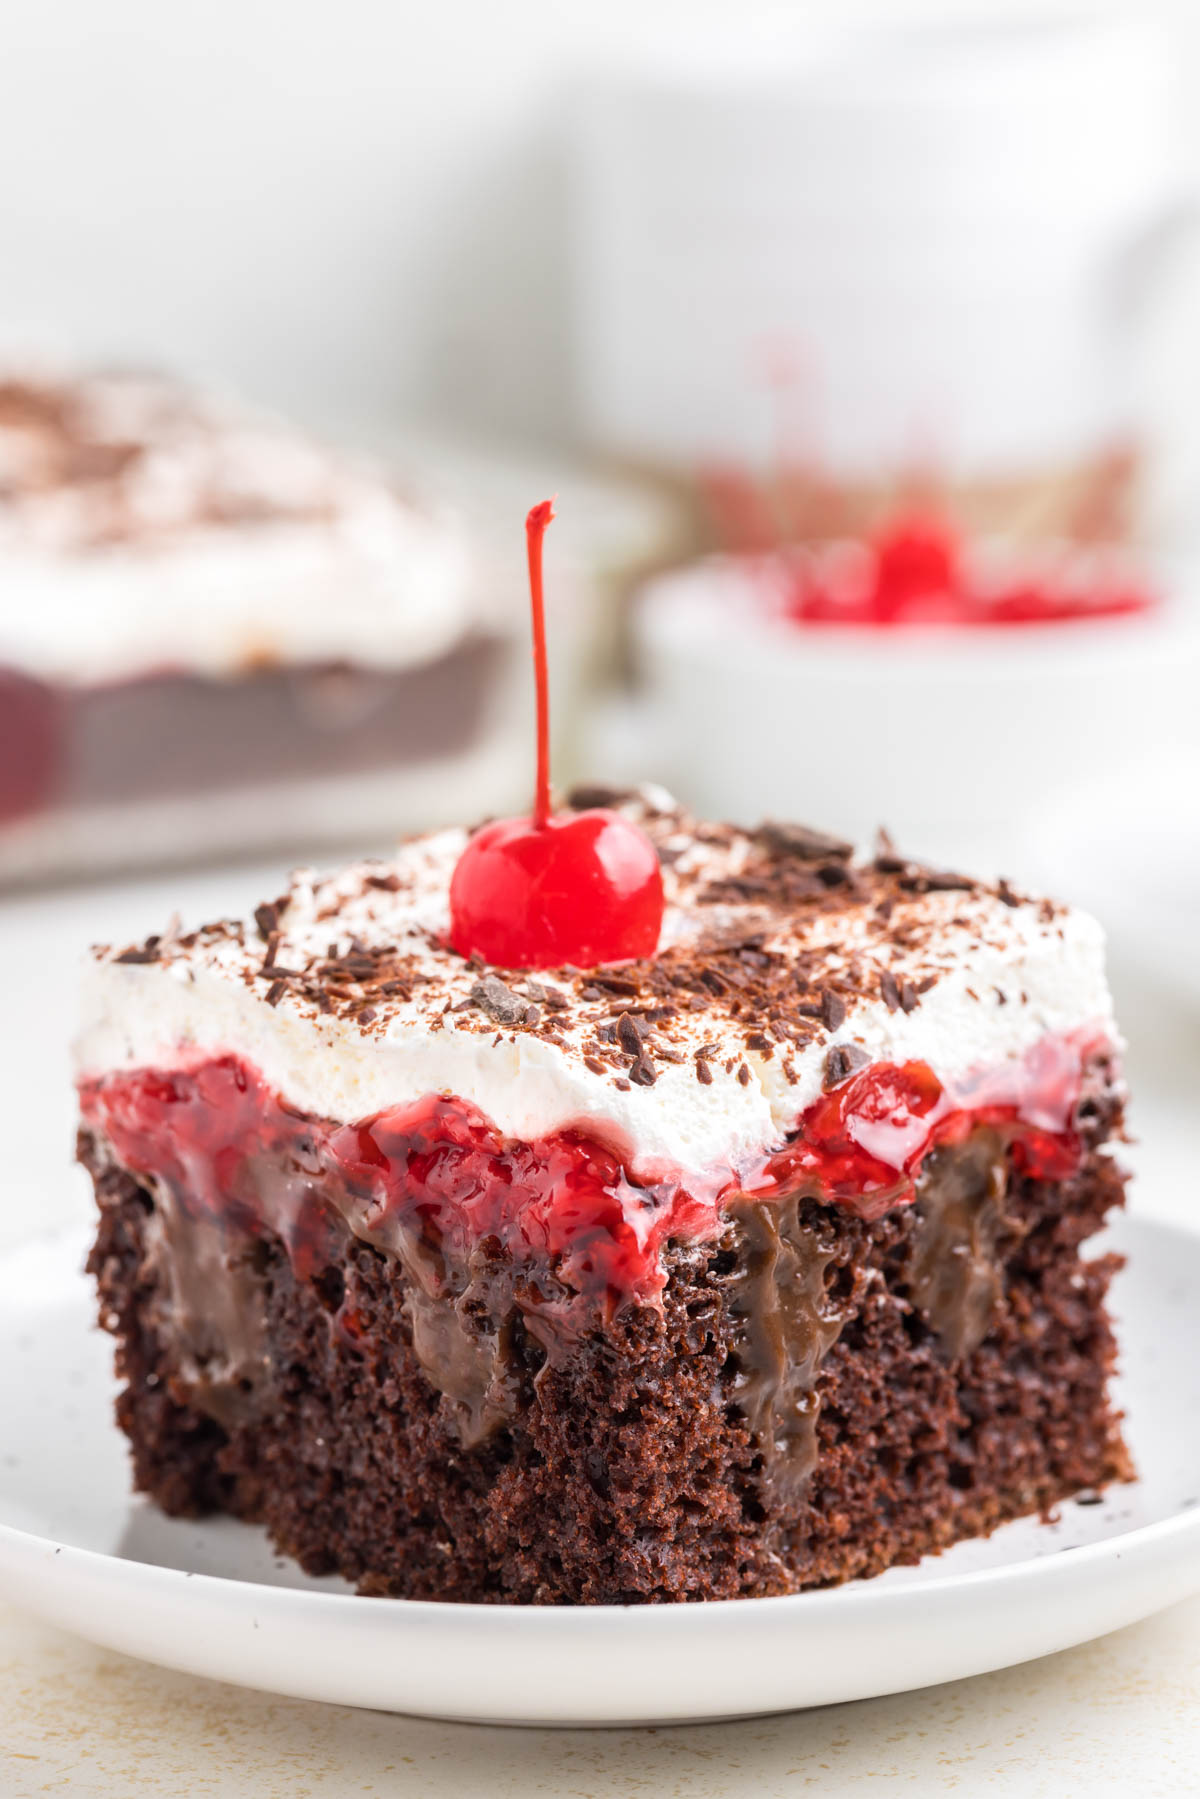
{"x": 212, "y": 1599}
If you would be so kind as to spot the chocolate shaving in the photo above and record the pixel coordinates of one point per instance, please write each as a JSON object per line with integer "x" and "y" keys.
{"x": 643, "y": 1071}
{"x": 620, "y": 984}
{"x": 889, "y": 989}
{"x": 833, "y": 1009}
{"x": 146, "y": 952}
{"x": 501, "y": 1004}
{"x": 888, "y": 860}
{"x": 550, "y": 997}
{"x": 628, "y": 1035}
{"x": 703, "y": 1072}
{"x": 843, "y": 1060}
{"x": 935, "y": 880}
{"x": 799, "y": 841}
{"x": 591, "y": 796}
{"x": 266, "y": 917}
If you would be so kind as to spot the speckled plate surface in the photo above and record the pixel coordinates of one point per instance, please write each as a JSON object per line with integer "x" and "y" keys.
{"x": 211, "y": 1598}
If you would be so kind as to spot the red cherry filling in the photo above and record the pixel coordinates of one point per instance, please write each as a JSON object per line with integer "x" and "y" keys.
{"x": 541, "y": 891}
{"x": 917, "y": 575}
{"x": 574, "y": 1217}
{"x": 916, "y": 560}
{"x": 585, "y": 888}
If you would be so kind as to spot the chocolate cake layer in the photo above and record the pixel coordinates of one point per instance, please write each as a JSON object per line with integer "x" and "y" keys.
{"x": 174, "y": 733}
{"x": 815, "y": 1397}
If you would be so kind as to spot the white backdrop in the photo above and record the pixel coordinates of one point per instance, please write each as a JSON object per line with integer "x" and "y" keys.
{"x": 353, "y": 210}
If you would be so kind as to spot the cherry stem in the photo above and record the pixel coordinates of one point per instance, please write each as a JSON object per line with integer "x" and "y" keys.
{"x": 535, "y": 530}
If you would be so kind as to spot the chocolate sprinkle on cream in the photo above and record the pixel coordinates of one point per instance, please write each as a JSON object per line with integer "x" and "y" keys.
{"x": 501, "y": 1004}
{"x": 147, "y": 952}
{"x": 799, "y": 841}
{"x": 843, "y": 1060}
{"x": 266, "y": 917}
{"x": 833, "y": 1010}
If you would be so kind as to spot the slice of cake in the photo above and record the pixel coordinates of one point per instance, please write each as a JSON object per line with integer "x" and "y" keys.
{"x": 749, "y": 1262}
{"x": 219, "y": 634}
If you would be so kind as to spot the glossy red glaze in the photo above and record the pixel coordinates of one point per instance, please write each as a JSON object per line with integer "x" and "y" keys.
{"x": 863, "y": 1144}
{"x": 565, "y": 1208}
{"x": 542, "y": 891}
{"x": 583, "y": 888}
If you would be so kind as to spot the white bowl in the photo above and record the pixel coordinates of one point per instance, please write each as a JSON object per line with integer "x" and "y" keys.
{"x": 952, "y": 737}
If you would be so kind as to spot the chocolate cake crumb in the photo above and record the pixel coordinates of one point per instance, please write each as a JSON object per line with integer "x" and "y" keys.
{"x": 355, "y": 1464}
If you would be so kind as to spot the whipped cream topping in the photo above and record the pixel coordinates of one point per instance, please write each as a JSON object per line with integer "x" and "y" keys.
{"x": 778, "y": 948}
{"x": 146, "y": 526}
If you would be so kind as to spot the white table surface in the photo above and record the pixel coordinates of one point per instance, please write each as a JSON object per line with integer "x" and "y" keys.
{"x": 1119, "y": 1716}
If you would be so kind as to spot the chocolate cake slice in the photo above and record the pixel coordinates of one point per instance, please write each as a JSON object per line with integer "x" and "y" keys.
{"x": 221, "y": 634}
{"x": 753, "y": 1265}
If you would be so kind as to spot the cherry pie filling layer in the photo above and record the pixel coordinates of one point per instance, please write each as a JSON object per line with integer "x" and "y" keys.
{"x": 580, "y": 1227}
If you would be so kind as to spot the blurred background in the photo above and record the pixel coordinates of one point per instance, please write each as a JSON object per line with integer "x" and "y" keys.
{"x": 859, "y": 344}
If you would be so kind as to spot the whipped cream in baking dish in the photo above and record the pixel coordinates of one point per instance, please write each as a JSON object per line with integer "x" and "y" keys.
{"x": 145, "y": 526}
{"x": 786, "y": 960}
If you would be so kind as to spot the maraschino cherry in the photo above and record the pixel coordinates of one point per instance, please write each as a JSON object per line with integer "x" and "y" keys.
{"x": 916, "y": 565}
{"x": 546, "y": 890}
